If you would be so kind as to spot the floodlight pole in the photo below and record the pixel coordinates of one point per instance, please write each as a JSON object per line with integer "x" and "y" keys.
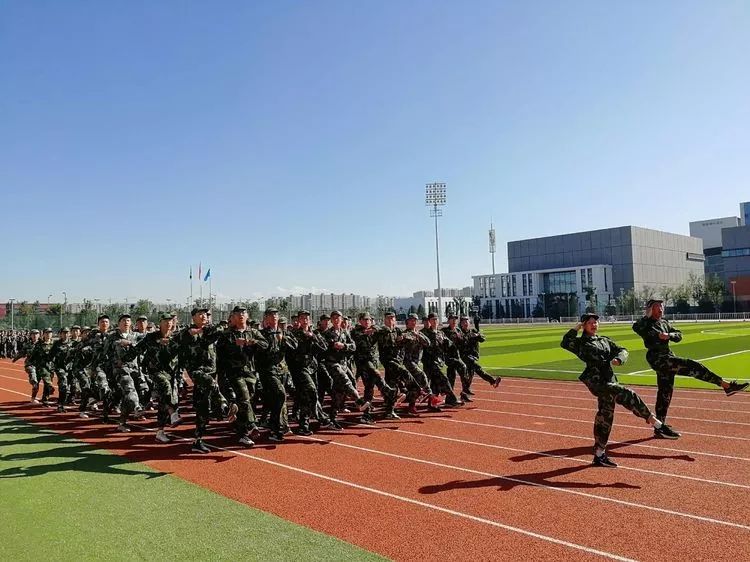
{"x": 435, "y": 198}
{"x": 734, "y": 296}
{"x": 11, "y": 314}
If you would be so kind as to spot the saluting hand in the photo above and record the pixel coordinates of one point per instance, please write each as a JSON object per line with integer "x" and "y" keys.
{"x": 663, "y": 336}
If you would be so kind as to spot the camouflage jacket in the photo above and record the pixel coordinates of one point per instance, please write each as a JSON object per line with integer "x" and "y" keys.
{"x": 391, "y": 345}
{"x": 310, "y": 345}
{"x": 152, "y": 355}
{"x": 24, "y": 351}
{"x": 40, "y": 357}
{"x": 236, "y": 360}
{"x": 333, "y": 336}
{"x": 440, "y": 346}
{"x": 198, "y": 352}
{"x": 94, "y": 347}
{"x": 456, "y": 337}
{"x": 270, "y": 360}
{"x": 116, "y": 351}
{"x": 414, "y": 345}
{"x": 62, "y": 354}
{"x": 470, "y": 344}
{"x": 366, "y": 345}
{"x": 597, "y": 352}
{"x": 649, "y": 329}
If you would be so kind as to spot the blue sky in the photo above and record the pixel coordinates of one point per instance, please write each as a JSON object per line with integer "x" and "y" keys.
{"x": 286, "y": 145}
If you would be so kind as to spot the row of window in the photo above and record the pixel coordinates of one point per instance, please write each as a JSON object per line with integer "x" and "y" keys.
{"x": 555, "y": 282}
{"x": 735, "y": 253}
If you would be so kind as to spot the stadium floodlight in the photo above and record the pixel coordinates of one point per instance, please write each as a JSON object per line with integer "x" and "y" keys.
{"x": 435, "y": 197}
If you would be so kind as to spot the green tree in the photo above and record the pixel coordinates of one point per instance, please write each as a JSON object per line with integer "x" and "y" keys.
{"x": 143, "y": 306}
{"x": 714, "y": 291}
{"x": 420, "y": 311}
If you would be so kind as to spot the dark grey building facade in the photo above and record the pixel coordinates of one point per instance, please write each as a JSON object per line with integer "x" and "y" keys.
{"x": 639, "y": 257}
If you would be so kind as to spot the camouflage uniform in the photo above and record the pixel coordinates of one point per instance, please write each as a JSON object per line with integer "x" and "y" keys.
{"x": 93, "y": 347}
{"x": 335, "y": 362}
{"x": 238, "y": 365}
{"x": 433, "y": 361}
{"x": 366, "y": 359}
{"x": 469, "y": 350}
{"x": 198, "y": 357}
{"x": 453, "y": 358}
{"x": 269, "y": 361}
{"x": 123, "y": 367}
{"x": 25, "y": 351}
{"x": 303, "y": 364}
{"x": 666, "y": 364}
{"x": 62, "y": 355}
{"x": 392, "y": 345}
{"x": 598, "y": 352}
{"x": 41, "y": 360}
{"x": 414, "y": 345}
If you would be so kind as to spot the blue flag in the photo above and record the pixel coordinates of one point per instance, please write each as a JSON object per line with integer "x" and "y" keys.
{"x": 208, "y": 274}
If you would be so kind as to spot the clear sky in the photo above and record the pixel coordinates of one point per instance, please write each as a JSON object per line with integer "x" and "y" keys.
{"x": 286, "y": 144}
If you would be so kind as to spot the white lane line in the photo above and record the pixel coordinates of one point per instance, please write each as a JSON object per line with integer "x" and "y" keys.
{"x": 426, "y": 505}
{"x": 532, "y": 369}
{"x": 558, "y": 397}
{"x": 590, "y": 421}
{"x": 533, "y": 484}
{"x": 580, "y": 437}
{"x": 560, "y": 407}
{"x": 575, "y": 459}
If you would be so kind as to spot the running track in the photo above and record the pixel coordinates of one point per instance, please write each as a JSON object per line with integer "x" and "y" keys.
{"x": 506, "y": 478}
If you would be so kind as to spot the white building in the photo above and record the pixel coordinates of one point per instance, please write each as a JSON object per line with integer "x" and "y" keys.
{"x": 517, "y": 295}
{"x": 455, "y": 300}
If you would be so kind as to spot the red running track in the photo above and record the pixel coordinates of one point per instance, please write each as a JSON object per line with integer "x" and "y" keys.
{"x": 506, "y": 478}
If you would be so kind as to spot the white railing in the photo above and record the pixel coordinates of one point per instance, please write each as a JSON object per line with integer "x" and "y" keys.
{"x": 697, "y": 317}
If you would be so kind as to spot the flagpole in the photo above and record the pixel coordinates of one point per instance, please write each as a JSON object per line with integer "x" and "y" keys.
{"x": 191, "y": 287}
{"x": 209, "y": 290}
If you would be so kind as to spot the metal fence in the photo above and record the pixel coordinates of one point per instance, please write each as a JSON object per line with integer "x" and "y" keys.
{"x": 697, "y": 317}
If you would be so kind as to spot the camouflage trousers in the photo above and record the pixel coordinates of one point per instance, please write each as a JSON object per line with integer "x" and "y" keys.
{"x": 129, "y": 402}
{"x": 439, "y": 381}
{"x": 31, "y": 372}
{"x": 399, "y": 377}
{"x": 371, "y": 378}
{"x": 609, "y": 394}
{"x": 342, "y": 387}
{"x": 243, "y": 388}
{"x": 306, "y": 394}
{"x": 666, "y": 367}
{"x": 473, "y": 368}
{"x": 62, "y": 385}
{"x": 45, "y": 379}
{"x": 166, "y": 393}
{"x": 274, "y": 398}
{"x": 205, "y": 394}
{"x": 418, "y": 376}
{"x": 456, "y": 367}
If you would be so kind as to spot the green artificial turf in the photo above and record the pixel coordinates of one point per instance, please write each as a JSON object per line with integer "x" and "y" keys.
{"x": 535, "y": 352}
{"x": 61, "y": 499}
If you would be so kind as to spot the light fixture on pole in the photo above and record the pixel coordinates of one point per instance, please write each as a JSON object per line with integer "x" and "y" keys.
{"x": 62, "y": 308}
{"x": 734, "y": 295}
{"x": 492, "y": 246}
{"x": 435, "y": 198}
{"x": 11, "y": 313}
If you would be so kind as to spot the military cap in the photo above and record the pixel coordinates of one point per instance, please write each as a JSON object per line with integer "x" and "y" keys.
{"x": 431, "y": 315}
{"x": 238, "y": 309}
{"x": 271, "y": 310}
{"x": 75, "y": 327}
{"x": 324, "y": 317}
{"x": 223, "y": 323}
{"x": 365, "y": 316}
{"x": 34, "y": 331}
{"x": 64, "y": 329}
{"x": 166, "y": 316}
{"x": 463, "y": 318}
{"x": 453, "y": 317}
{"x": 651, "y": 302}
{"x": 586, "y": 316}
{"x": 347, "y": 318}
{"x": 336, "y": 313}
{"x": 102, "y": 317}
{"x": 303, "y": 313}
{"x": 196, "y": 310}
{"x": 283, "y": 320}
{"x": 123, "y": 316}
{"x": 412, "y": 316}
{"x": 47, "y": 331}
{"x": 389, "y": 313}
{"x": 86, "y": 329}
{"x": 142, "y": 317}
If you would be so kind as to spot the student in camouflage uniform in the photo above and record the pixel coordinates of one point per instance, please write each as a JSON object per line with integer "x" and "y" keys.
{"x": 94, "y": 346}
{"x": 237, "y": 347}
{"x": 392, "y": 351}
{"x": 469, "y": 350}
{"x": 123, "y": 366}
{"x": 41, "y": 359}
{"x": 657, "y": 332}
{"x": 269, "y": 362}
{"x": 340, "y": 347}
{"x": 364, "y": 337}
{"x": 415, "y": 342}
{"x": 158, "y": 352}
{"x": 303, "y": 365}
{"x": 62, "y": 352}
{"x": 323, "y": 381}
{"x": 198, "y": 356}
{"x": 434, "y": 359}
{"x": 24, "y": 351}
{"x": 600, "y": 354}
{"x": 453, "y": 361}
{"x": 143, "y": 383}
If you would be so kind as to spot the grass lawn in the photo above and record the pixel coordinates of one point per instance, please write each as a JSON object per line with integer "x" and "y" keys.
{"x": 535, "y": 352}
{"x": 61, "y": 499}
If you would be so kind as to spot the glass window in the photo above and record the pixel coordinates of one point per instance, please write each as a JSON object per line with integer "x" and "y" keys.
{"x": 531, "y": 285}
{"x": 590, "y": 274}
{"x": 560, "y": 282}
{"x": 492, "y": 286}
{"x": 606, "y": 286}
{"x": 513, "y": 281}
{"x": 523, "y": 278}
{"x": 583, "y": 278}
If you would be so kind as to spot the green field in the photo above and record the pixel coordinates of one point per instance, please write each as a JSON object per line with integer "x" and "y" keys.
{"x": 61, "y": 499}
{"x": 535, "y": 352}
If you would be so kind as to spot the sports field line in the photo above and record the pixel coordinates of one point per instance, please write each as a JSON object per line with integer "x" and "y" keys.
{"x": 577, "y": 388}
{"x": 589, "y": 422}
{"x": 531, "y": 483}
{"x": 575, "y": 459}
{"x": 699, "y": 360}
{"x": 504, "y": 393}
{"x": 419, "y": 503}
{"x": 558, "y": 406}
{"x": 588, "y": 439}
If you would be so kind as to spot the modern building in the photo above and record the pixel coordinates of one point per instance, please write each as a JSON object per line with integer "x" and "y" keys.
{"x": 571, "y": 272}
{"x": 745, "y": 213}
{"x": 736, "y": 257}
{"x": 710, "y": 232}
{"x": 457, "y": 300}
